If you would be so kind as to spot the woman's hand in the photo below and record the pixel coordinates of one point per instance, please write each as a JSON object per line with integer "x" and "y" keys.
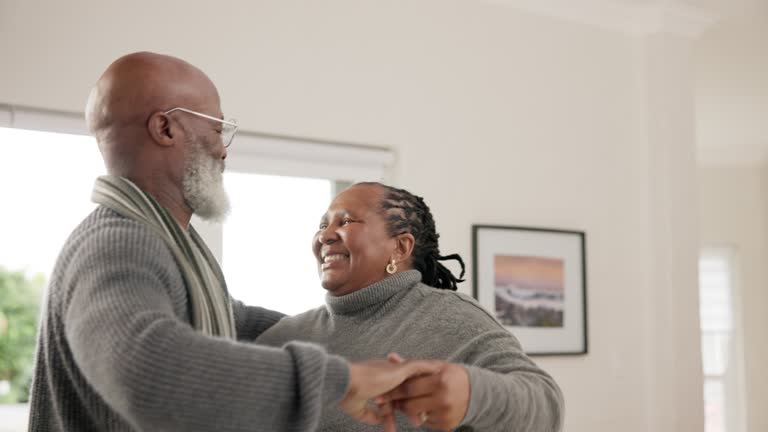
{"x": 438, "y": 401}
{"x": 372, "y": 378}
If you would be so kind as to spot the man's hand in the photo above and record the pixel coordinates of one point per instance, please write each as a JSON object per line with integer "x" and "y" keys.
{"x": 370, "y": 379}
{"x": 438, "y": 401}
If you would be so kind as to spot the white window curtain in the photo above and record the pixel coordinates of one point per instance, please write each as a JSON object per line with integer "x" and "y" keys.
{"x": 251, "y": 152}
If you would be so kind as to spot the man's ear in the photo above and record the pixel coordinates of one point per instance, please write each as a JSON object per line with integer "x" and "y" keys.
{"x": 161, "y": 129}
{"x": 404, "y": 247}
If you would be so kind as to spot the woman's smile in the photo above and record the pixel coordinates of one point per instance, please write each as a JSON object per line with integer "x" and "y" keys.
{"x": 334, "y": 260}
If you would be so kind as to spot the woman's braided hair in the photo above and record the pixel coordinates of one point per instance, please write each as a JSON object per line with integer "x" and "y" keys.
{"x": 405, "y": 212}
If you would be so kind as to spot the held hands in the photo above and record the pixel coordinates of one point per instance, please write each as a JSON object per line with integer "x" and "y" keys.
{"x": 431, "y": 393}
{"x": 439, "y": 400}
{"x": 370, "y": 379}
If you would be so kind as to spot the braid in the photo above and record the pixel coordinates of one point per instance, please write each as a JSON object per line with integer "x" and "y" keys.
{"x": 405, "y": 212}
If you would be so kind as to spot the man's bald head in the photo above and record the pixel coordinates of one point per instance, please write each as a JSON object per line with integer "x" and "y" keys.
{"x": 133, "y": 89}
{"x": 139, "y": 84}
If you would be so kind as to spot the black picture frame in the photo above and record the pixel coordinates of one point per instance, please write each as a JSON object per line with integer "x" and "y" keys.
{"x": 534, "y": 281}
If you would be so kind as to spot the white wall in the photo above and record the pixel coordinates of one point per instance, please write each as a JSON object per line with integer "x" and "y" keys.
{"x": 496, "y": 116}
{"x": 734, "y": 206}
{"x": 732, "y": 132}
{"x": 732, "y": 87}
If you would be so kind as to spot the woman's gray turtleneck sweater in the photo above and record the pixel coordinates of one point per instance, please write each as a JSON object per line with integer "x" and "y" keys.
{"x": 508, "y": 392}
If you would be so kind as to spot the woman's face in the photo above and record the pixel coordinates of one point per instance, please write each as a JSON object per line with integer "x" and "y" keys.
{"x": 352, "y": 245}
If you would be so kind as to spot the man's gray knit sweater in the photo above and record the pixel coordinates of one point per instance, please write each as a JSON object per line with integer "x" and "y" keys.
{"x": 116, "y": 350}
{"x": 508, "y": 392}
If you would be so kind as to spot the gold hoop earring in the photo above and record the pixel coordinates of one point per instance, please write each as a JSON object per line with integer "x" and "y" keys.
{"x": 392, "y": 267}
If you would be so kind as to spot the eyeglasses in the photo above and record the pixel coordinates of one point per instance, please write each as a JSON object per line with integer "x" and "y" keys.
{"x": 228, "y": 127}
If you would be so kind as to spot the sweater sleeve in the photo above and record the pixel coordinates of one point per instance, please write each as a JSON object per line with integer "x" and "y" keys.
{"x": 156, "y": 372}
{"x": 251, "y": 321}
{"x": 507, "y": 390}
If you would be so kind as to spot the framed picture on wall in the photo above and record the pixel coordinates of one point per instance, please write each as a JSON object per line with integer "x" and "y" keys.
{"x": 534, "y": 281}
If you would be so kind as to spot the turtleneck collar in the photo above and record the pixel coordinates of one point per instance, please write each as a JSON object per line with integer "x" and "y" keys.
{"x": 372, "y": 294}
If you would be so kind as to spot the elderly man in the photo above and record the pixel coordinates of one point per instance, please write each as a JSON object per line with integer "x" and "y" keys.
{"x": 138, "y": 331}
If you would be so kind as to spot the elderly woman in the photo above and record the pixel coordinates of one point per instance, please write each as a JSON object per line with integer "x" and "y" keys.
{"x": 378, "y": 258}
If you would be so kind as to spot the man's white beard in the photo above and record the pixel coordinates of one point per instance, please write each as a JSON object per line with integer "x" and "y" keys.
{"x": 203, "y": 183}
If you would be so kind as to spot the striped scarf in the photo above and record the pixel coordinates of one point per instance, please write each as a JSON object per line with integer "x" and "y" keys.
{"x": 210, "y": 305}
